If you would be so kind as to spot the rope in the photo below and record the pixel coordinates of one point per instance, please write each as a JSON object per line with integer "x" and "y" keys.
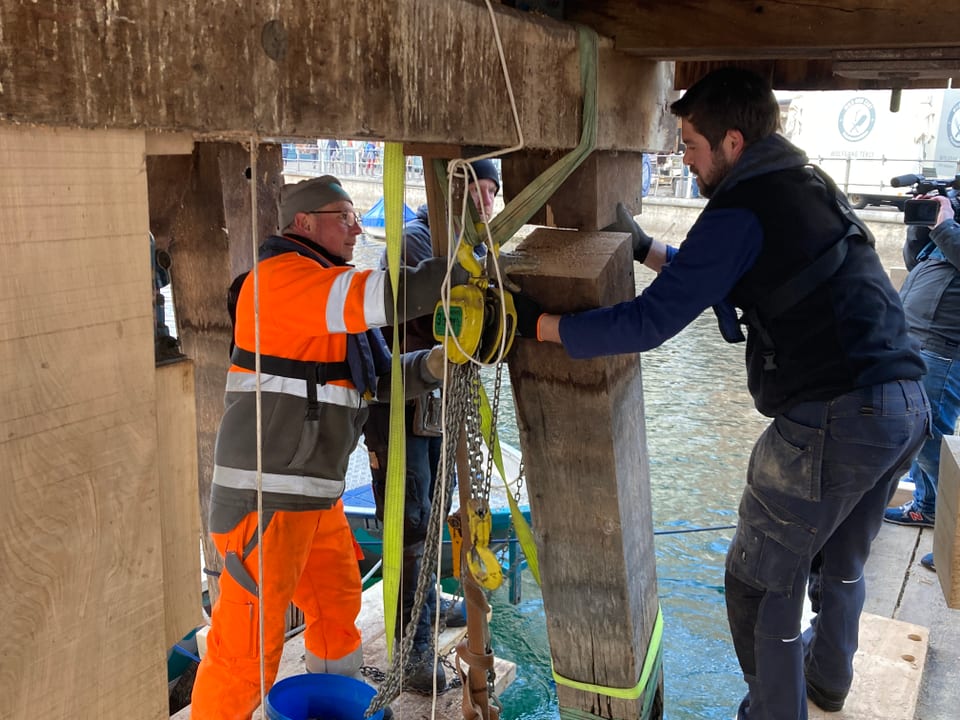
{"x": 259, "y": 405}
{"x": 517, "y": 212}
{"x": 521, "y": 208}
{"x": 514, "y": 216}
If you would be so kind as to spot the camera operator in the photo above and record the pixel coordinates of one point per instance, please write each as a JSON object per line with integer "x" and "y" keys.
{"x": 931, "y": 299}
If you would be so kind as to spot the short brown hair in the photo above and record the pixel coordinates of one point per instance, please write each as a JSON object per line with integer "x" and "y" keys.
{"x": 730, "y": 98}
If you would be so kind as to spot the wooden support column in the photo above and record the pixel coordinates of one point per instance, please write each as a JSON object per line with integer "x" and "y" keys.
{"x": 210, "y": 243}
{"x": 436, "y": 208}
{"x": 946, "y": 534}
{"x": 179, "y": 510}
{"x": 587, "y": 200}
{"x": 581, "y": 426}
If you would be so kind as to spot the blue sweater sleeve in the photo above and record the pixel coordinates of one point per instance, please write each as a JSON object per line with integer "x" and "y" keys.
{"x": 720, "y": 247}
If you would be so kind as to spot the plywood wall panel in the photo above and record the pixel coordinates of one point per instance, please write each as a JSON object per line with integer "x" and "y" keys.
{"x": 80, "y": 561}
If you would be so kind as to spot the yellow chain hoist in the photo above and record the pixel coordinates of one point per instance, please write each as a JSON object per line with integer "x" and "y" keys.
{"x": 476, "y": 325}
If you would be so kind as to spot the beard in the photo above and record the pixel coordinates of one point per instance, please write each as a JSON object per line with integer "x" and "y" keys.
{"x": 721, "y": 168}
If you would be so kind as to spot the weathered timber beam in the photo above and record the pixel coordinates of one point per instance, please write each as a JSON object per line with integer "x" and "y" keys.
{"x": 842, "y": 73}
{"x": 899, "y": 67}
{"x": 712, "y": 29}
{"x": 587, "y": 199}
{"x": 406, "y": 71}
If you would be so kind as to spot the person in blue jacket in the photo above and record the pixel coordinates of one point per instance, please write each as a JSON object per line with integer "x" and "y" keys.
{"x": 828, "y": 358}
{"x": 931, "y": 300}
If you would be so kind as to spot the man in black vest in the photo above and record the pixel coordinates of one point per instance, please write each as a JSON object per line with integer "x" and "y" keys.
{"x": 828, "y": 358}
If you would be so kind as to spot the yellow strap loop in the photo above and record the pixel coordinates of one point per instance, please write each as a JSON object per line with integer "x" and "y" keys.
{"x": 394, "y": 168}
{"x": 650, "y": 664}
{"x": 520, "y": 525}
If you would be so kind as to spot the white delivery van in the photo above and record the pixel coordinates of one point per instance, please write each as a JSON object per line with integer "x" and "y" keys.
{"x": 856, "y": 139}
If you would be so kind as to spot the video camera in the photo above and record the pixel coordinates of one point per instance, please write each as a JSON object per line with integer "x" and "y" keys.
{"x": 924, "y": 212}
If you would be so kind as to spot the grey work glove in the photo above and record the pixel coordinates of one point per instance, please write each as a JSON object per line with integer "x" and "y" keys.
{"x": 419, "y": 288}
{"x": 422, "y": 372}
{"x": 510, "y": 263}
{"x": 626, "y": 223}
{"x": 434, "y": 363}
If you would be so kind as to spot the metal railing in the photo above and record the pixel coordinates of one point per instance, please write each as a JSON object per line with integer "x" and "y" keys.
{"x": 351, "y": 163}
{"x": 669, "y": 176}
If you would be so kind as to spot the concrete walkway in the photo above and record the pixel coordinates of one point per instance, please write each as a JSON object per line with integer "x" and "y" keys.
{"x": 899, "y": 587}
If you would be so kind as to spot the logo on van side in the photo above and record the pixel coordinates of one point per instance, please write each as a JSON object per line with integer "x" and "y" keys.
{"x": 856, "y": 119}
{"x": 953, "y": 125}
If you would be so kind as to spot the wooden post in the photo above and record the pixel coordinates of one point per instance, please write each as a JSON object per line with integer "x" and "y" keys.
{"x": 946, "y": 534}
{"x": 587, "y": 200}
{"x": 581, "y": 426}
{"x": 436, "y": 207}
{"x": 210, "y": 243}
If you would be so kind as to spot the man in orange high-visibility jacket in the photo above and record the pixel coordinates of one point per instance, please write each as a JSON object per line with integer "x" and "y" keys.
{"x": 321, "y": 360}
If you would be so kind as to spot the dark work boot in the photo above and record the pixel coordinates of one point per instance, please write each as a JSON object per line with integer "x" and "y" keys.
{"x": 829, "y": 700}
{"x": 418, "y": 672}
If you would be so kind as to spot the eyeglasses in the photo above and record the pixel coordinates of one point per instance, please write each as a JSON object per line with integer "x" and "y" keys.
{"x": 347, "y": 217}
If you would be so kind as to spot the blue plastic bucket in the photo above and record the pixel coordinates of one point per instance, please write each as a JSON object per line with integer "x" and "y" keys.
{"x": 319, "y": 695}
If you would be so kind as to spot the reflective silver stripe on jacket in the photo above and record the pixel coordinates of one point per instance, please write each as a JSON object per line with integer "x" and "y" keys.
{"x": 337, "y": 301}
{"x": 329, "y": 393}
{"x": 374, "y": 309}
{"x": 277, "y": 483}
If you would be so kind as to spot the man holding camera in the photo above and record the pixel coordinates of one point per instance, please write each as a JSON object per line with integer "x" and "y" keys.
{"x": 931, "y": 300}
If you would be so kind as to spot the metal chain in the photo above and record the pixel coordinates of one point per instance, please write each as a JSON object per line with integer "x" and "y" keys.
{"x": 462, "y": 397}
{"x": 517, "y": 494}
{"x": 479, "y": 485}
{"x": 494, "y": 415}
{"x": 374, "y": 673}
{"x": 482, "y": 478}
{"x": 455, "y": 398}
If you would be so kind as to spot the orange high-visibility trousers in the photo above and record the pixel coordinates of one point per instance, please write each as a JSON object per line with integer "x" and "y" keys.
{"x": 309, "y": 558}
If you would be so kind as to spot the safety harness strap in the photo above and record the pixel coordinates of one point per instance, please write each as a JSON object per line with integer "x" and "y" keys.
{"x": 803, "y": 283}
{"x": 320, "y": 372}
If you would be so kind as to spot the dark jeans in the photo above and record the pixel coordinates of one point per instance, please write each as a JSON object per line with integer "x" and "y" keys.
{"x": 423, "y": 458}
{"x": 942, "y": 383}
{"x": 819, "y": 479}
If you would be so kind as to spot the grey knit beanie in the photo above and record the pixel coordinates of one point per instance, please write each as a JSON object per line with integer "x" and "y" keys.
{"x": 308, "y": 195}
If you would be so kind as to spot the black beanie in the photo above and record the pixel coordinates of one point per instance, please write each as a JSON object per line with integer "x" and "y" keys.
{"x": 486, "y": 169}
